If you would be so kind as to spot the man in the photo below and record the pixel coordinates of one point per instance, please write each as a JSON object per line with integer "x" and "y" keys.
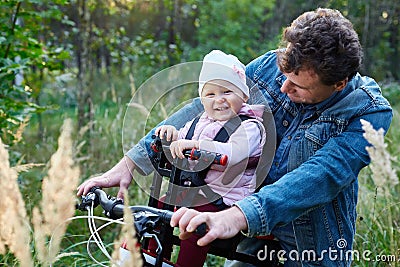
{"x": 317, "y": 98}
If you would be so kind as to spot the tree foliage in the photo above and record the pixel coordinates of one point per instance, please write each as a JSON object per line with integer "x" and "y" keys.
{"x": 23, "y": 50}
{"x": 241, "y": 27}
{"x": 377, "y": 23}
{"x": 141, "y": 37}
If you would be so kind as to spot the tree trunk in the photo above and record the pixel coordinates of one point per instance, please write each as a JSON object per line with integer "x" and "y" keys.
{"x": 394, "y": 40}
{"x": 84, "y": 98}
{"x": 364, "y": 41}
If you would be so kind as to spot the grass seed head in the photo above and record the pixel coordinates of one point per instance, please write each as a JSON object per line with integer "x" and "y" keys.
{"x": 14, "y": 226}
{"x": 57, "y": 204}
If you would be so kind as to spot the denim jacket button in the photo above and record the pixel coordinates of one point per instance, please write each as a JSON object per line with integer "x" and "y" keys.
{"x": 285, "y": 123}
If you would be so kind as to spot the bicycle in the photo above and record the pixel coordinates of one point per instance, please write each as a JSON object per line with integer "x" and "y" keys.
{"x": 153, "y": 223}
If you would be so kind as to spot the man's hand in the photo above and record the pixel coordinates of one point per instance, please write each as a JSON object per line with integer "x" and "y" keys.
{"x": 120, "y": 175}
{"x": 222, "y": 225}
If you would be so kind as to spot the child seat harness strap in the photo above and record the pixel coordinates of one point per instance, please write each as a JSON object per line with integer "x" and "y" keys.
{"x": 197, "y": 179}
{"x": 225, "y": 132}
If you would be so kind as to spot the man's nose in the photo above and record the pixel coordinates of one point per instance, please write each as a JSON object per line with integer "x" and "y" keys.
{"x": 286, "y": 87}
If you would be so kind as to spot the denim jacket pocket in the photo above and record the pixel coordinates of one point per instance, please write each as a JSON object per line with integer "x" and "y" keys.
{"x": 306, "y": 146}
{"x": 323, "y": 129}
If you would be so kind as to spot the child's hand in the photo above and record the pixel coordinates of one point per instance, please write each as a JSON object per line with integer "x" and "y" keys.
{"x": 177, "y": 147}
{"x": 168, "y": 131}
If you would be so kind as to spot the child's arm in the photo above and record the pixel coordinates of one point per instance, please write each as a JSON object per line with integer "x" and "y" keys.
{"x": 177, "y": 147}
{"x": 245, "y": 142}
{"x": 179, "y": 143}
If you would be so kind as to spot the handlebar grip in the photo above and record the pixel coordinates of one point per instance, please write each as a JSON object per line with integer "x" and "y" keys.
{"x": 156, "y": 144}
{"x": 201, "y": 229}
{"x": 196, "y": 154}
{"x": 166, "y": 215}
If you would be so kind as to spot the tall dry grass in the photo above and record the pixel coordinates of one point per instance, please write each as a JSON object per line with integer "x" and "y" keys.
{"x": 379, "y": 208}
{"x": 381, "y": 161}
{"x": 14, "y": 223}
{"x": 50, "y": 219}
{"x": 58, "y": 198}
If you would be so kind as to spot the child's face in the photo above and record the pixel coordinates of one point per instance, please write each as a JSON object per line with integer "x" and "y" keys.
{"x": 222, "y": 100}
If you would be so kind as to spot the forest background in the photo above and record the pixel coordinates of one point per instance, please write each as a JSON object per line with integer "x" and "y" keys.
{"x": 85, "y": 59}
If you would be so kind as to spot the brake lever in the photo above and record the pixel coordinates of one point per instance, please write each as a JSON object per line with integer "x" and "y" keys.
{"x": 86, "y": 201}
{"x": 145, "y": 222}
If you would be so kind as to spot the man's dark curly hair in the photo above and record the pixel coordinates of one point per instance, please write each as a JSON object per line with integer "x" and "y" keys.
{"x": 324, "y": 41}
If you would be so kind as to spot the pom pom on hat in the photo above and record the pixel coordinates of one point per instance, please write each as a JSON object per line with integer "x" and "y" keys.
{"x": 218, "y": 65}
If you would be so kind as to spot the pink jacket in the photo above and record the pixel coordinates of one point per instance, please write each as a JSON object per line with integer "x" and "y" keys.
{"x": 233, "y": 182}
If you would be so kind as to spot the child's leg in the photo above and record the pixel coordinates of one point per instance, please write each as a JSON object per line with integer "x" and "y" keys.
{"x": 190, "y": 254}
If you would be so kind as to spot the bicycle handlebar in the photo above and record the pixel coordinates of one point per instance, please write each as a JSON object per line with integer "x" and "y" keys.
{"x": 114, "y": 208}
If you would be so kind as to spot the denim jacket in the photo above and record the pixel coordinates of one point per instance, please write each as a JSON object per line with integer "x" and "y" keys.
{"x": 325, "y": 153}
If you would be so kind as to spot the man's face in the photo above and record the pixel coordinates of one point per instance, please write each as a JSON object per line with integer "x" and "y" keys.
{"x": 306, "y": 88}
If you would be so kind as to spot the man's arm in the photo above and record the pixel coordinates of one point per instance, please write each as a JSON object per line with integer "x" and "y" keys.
{"x": 315, "y": 182}
{"x": 119, "y": 175}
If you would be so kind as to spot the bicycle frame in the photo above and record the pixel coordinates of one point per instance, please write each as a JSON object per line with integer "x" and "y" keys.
{"x": 151, "y": 222}
{"x": 222, "y": 248}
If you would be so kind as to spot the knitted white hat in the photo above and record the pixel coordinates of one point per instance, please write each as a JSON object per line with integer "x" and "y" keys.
{"x": 218, "y": 65}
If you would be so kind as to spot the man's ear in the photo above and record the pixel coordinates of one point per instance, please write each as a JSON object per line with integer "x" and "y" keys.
{"x": 341, "y": 84}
